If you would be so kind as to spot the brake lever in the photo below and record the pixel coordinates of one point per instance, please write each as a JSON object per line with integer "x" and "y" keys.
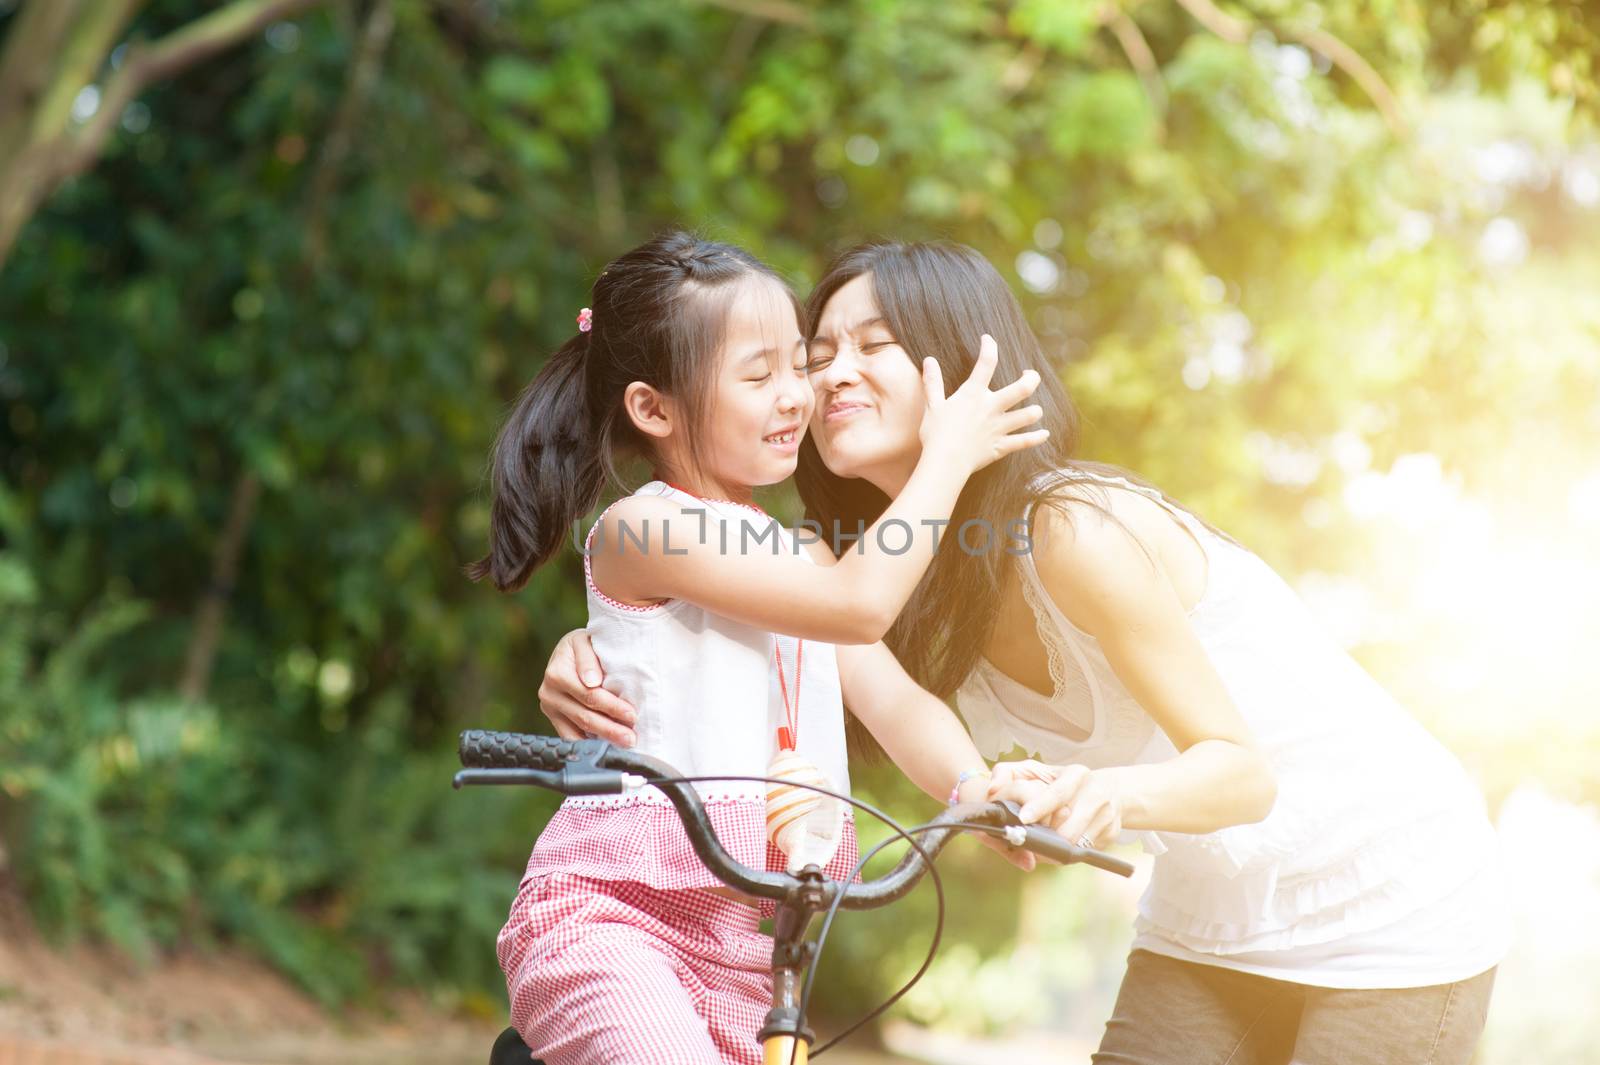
{"x": 571, "y": 779}
{"x": 1042, "y": 840}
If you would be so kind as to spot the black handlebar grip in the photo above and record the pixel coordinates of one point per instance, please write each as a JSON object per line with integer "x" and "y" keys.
{"x": 1053, "y": 845}
{"x": 483, "y": 749}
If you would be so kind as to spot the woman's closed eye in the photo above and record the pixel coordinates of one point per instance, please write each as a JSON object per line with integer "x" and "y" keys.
{"x": 819, "y": 362}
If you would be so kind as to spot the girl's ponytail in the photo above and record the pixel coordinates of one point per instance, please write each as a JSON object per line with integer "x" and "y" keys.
{"x": 547, "y": 470}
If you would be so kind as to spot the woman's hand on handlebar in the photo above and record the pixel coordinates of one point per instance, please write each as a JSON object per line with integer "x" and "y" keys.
{"x": 574, "y": 697}
{"x": 1081, "y": 804}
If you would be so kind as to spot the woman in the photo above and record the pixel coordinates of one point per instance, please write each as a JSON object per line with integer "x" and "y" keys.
{"x": 1325, "y": 887}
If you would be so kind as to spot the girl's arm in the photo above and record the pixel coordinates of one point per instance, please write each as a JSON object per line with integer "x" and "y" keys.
{"x": 1107, "y": 586}
{"x": 759, "y": 583}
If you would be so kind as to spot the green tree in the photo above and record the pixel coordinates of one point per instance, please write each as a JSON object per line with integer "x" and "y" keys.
{"x": 252, "y": 360}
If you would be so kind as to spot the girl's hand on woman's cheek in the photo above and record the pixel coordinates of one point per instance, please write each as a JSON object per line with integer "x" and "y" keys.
{"x": 574, "y": 697}
{"x": 974, "y": 426}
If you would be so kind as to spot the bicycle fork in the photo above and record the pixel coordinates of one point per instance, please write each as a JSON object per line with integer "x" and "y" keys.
{"x": 785, "y": 1037}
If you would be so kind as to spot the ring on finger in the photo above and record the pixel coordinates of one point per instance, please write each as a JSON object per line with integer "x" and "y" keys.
{"x": 1085, "y": 842}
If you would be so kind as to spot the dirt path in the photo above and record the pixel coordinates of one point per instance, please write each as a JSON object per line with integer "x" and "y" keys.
{"x": 83, "y": 1006}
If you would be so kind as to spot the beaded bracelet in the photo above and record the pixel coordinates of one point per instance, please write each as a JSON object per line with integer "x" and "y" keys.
{"x": 966, "y": 775}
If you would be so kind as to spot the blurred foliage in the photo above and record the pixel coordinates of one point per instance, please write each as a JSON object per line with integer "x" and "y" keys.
{"x": 1258, "y": 295}
{"x": 152, "y": 822}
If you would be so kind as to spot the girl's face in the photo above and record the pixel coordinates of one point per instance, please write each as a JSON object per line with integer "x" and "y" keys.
{"x": 869, "y": 395}
{"x": 760, "y": 400}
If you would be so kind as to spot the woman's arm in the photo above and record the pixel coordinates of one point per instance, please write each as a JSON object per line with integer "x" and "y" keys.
{"x": 1107, "y": 585}
{"x": 574, "y": 697}
{"x": 857, "y": 600}
{"x": 916, "y": 729}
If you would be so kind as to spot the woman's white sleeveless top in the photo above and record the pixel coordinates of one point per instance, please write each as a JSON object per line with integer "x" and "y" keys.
{"x": 1377, "y": 866}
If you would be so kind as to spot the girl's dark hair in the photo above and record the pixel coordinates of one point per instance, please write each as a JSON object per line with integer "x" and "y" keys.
{"x": 938, "y": 299}
{"x": 659, "y": 316}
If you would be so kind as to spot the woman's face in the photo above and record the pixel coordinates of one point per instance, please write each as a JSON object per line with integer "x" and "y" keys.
{"x": 869, "y": 396}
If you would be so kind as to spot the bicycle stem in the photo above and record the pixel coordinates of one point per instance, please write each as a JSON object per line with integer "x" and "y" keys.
{"x": 785, "y": 1037}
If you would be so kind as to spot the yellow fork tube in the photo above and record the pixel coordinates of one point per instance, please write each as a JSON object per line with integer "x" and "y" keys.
{"x": 780, "y": 1047}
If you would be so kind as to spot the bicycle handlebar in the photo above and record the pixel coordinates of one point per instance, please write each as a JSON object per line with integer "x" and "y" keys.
{"x": 591, "y": 767}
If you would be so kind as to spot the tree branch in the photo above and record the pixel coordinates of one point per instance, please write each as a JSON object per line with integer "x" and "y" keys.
{"x": 82, "y": 56}
{"x": 364, "y": 68}
{"x": 1341, "y": 55}
{"x": 206, "y": 636}
{"x": 27, "y": 64}
{"x": 771, "y": 10}
{"x": 41, "y": 148}
{"x": 1140, "y": 57}
{"x": 203, "y": 38}
{"x": 1361, "y": 72}
{"x": 1025, "y": 64}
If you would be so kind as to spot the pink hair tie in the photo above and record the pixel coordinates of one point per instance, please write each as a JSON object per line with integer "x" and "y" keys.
{"x": 585, "y": 320}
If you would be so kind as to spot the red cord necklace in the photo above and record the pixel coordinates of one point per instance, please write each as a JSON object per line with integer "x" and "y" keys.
{"x": 789, "y": 734}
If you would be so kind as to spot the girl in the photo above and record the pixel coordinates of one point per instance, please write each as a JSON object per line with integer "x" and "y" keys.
{"x": 1326, "y": 887}
{"x": 620, "y": 947}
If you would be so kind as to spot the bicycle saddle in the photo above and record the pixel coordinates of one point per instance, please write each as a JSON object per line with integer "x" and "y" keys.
{"x": 509, "y": 1049}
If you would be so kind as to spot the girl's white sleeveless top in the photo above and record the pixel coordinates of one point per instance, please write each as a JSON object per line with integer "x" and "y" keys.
{"x": 1377, "y": 866}
{"x": 709, "y": 703}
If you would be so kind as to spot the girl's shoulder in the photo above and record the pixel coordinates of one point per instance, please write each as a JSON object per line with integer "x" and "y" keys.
{"x": 635, "y": 509}
{"x": 627, "y": 534}
{"x": 659, "y": 514}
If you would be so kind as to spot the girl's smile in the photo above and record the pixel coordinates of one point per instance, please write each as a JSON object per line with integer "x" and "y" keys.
{"x": 786, "y": 441}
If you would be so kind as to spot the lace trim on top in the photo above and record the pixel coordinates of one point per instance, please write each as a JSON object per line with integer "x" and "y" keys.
{"x": 1057, "y": 649}
{"x": 588, "y": 569}
{"x": 1117, "y": 729}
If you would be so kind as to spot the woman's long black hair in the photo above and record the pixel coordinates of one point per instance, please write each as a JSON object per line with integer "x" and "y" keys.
{"x": 938, "y": 299}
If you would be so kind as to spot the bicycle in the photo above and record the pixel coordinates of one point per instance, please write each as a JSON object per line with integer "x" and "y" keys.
{"x": 595, "y": 767}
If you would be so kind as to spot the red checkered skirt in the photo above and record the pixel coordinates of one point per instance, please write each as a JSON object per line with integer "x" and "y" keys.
{"x": 614, "y": 953}
{"x": 609, "y": 972}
